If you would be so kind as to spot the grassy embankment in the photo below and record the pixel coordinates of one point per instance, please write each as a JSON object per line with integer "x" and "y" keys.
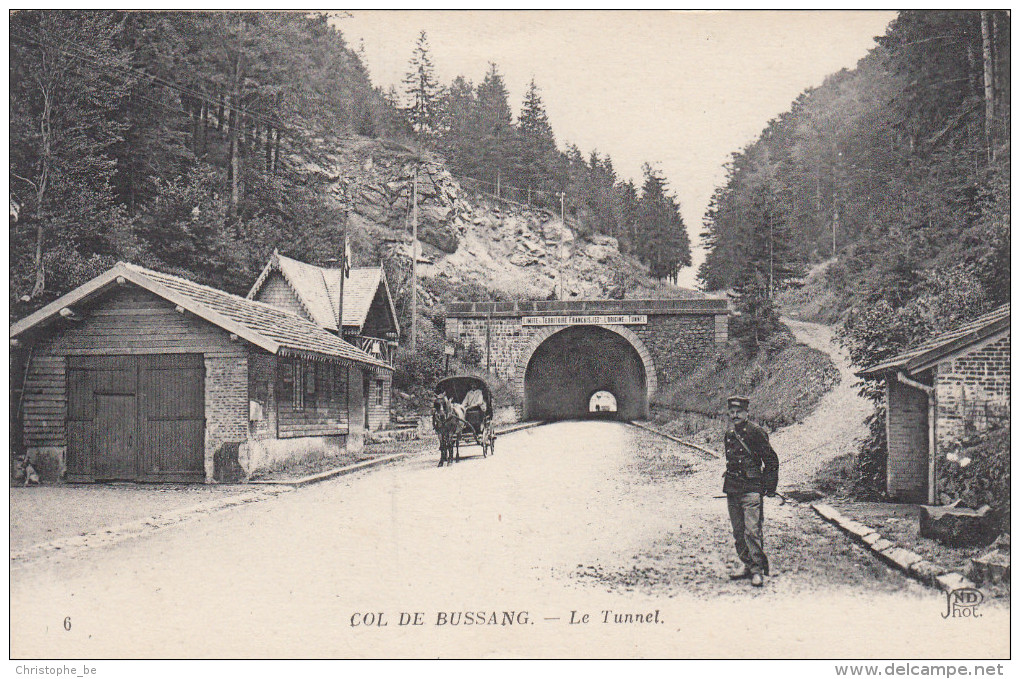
{"x": 784, "y": 382}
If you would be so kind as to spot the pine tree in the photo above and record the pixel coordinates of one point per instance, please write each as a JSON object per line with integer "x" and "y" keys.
{"x": 769, "y": 262}
{"x": 537, "y": 158}
{"x": 456, "y": 130}
{"x": 665, "y": 245}
{"x": 422, "y": 89}
{"x": 534, "y": 121}
{"x": 494, "y": 125}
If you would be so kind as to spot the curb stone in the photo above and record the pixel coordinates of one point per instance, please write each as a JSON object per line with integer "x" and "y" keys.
{"x": 902, "y": 559}
{"x": 331, "y": 473}
{"x": 926, "y": 572}
{"x": 367, "y": 464}
{"x": 519, "y": 426}
{"x": 826, "y": 512}
{"x": 871, "y": 539}
{"x": 881, "y": 544}
{"x": 951, "y": 581}
{"x": 857, "y": 530}
{"x": 664, "y": 435}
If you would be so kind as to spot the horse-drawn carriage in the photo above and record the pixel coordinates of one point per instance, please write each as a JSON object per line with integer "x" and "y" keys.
{"x": 462, "y": 411}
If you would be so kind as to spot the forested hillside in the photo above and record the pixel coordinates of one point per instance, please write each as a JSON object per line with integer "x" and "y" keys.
{"x": 197, "y": 143}
{"x": 171, "y": 139}
{"x": 898, "y": 173}
{"x": 898, "y": 168}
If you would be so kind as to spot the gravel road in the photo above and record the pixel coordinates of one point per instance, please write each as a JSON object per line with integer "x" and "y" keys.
{"x": 566, "y": 520}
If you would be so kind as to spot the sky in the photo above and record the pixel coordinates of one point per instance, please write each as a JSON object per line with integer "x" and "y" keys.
{"x": 679, "y": 90}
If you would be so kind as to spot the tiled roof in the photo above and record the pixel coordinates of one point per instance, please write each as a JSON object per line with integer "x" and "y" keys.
{"x": 359, "y": 291}
{"x": 284, "y": 328}
{"x": 933, "y": 349}
{"x": 264, "y": 325}
{"x": 317, "y": 288}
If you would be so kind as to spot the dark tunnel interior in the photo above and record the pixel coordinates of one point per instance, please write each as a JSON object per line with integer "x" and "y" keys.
{"x": 575, "y": 363}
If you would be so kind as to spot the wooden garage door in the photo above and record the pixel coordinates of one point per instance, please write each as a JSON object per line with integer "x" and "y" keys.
{"x": 172, "y": 417}
{"x": 136, "y": 418}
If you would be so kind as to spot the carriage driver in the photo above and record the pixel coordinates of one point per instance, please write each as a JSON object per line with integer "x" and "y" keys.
{"x": 752, "y": 470}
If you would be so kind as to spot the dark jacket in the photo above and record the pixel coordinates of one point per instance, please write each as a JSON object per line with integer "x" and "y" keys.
{"x": 750, "y": 469}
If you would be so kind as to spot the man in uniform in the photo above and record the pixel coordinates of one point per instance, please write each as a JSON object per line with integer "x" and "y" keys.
{"x": 752, "y": 470}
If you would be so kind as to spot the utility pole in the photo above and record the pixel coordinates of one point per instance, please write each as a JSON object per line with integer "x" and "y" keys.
{"x": 414, "y": 260}
{"x": 770, "y": 254}
{"x": 989, "y": 78}
{"x": 563, "y": 226}
{"x": 837, "y": 179}
{"x": 488, "y": 341}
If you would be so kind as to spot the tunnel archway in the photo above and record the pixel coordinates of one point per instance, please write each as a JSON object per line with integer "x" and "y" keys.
{"x": 602, "y": 401}
{"x": 566, "y": 366}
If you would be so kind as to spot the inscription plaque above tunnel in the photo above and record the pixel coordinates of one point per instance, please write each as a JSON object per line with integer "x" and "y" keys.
{"x": 631, "y": 319}
{"x": 630, "y": 346}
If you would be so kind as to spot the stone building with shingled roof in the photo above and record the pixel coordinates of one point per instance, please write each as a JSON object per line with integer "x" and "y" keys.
{"x": 143, "y": 376}
{"x": 951, "y": 386}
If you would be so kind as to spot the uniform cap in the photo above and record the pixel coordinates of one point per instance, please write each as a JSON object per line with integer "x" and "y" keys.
{"x": 738, "y": 401}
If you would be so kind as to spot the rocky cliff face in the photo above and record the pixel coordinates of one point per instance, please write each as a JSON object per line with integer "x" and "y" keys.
{"x": 470, "y": 238}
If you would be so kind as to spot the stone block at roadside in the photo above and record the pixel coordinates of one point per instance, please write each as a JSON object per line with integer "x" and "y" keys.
{"x": 826, "y": 512}
{"x": 881, "y": 544}
{"x": 856, "y": 529}
{"x": 901, "y": 558}
{"x": 957, "y": 526}
{"x": 926, "y": 571}
{"x": 949, "y": 582}
{"x": 992, "y": 567}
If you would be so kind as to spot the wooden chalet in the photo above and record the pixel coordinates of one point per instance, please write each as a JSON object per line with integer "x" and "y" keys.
{"x": 142, "y": 376}
{"x": 358, "y": 307}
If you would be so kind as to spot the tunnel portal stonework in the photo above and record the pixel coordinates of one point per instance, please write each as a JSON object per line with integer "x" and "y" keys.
{"x": 669, "y": 338}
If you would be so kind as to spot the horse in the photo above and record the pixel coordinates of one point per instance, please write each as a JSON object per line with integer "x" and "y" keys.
{"x": 448, "y": 419}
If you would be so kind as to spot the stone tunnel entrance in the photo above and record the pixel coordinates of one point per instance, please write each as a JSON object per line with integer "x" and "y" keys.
{"x": 577, "y": 362}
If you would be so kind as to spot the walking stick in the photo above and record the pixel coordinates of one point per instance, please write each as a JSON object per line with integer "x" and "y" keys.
{"x": 782, "y": 498}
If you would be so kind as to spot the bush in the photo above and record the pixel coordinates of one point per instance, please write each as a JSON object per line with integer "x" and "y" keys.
{"x": 868, "y": 479}
{"x": 421, "y": 368}
{"x": 757, "y": 321}
{"x": 976, "y": 472}
{"x": 859, "y": 475}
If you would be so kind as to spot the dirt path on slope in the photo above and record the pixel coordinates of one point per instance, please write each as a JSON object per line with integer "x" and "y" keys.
{"x": 835, "y": 426}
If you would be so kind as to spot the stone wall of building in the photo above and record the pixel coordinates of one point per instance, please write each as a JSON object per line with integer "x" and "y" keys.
{"x": 907, "y": 422}
{"x": 226, "y": 409}
{"x": 972, "y": 391}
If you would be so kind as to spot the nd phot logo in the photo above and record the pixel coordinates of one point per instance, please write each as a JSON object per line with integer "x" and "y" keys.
{"x": 963, "y": 603}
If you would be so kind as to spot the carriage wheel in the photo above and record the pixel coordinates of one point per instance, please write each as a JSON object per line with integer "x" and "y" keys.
{"x": 489, "y": 441}
{"x": 481, "y": 441}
